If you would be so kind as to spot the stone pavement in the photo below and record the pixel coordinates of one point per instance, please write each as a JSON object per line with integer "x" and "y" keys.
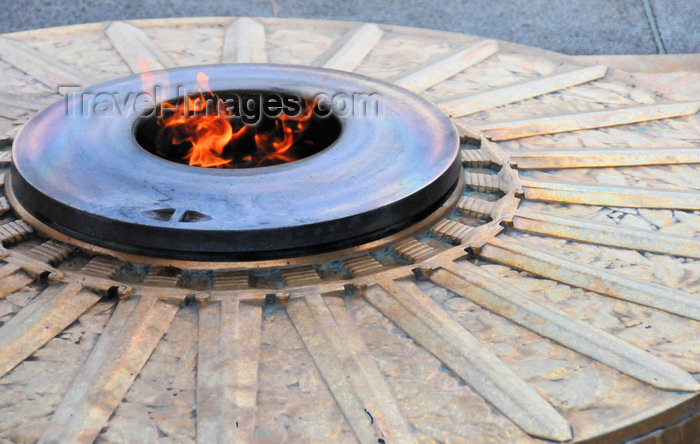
{"x": 567, "y": 26}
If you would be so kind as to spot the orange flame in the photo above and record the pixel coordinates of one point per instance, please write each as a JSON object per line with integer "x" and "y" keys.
{"x": 209, "y": 130}
{"x": 147, "y": 78}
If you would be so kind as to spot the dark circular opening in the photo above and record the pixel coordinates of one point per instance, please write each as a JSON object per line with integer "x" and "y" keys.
{"x": 237, "y": 129}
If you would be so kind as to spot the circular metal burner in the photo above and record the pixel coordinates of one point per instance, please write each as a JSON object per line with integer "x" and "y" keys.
{"x": 79, "y": 170}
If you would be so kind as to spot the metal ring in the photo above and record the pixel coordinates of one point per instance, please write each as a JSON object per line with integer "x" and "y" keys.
{"x": 86, "y": 176}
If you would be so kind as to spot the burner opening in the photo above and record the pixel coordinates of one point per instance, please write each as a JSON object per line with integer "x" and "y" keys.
{"x": 237, "y": 129}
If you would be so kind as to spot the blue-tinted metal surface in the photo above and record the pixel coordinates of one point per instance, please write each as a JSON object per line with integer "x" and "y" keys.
{"x": 85, "y": 175}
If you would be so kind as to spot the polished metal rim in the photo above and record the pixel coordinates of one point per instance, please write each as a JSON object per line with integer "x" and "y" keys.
{"x": 84, "y": 174}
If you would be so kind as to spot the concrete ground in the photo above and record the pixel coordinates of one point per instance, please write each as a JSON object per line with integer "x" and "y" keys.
{"x": 567, "y": 26}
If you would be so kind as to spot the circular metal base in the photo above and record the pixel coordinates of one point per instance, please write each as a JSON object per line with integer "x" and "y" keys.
{"x": 81, "y": 172}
